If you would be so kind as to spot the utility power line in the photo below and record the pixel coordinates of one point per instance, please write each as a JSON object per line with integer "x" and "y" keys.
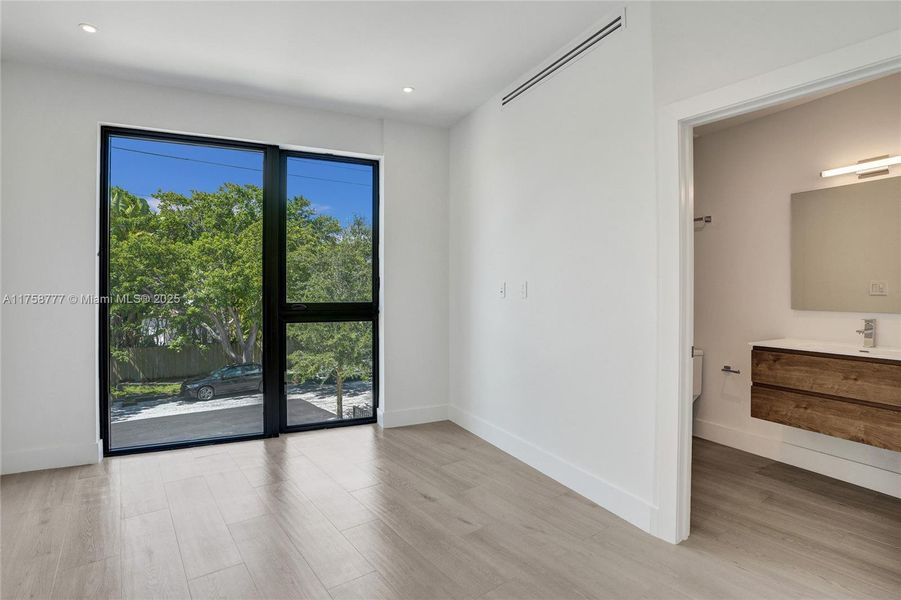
{"x": 219, "y": 164}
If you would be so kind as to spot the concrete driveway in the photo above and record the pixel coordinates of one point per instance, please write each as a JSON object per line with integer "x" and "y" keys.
{"x": 177, "y": 419}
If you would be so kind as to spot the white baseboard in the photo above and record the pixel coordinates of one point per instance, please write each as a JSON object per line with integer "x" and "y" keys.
{"x": 870, "y": 477}
{"x": 51, "y": 458}
{"x": 603, "y": 493}
{"x": 412, "y": 416}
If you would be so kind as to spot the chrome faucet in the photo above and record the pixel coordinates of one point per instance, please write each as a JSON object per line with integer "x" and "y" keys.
{"x": 869, "y": 333}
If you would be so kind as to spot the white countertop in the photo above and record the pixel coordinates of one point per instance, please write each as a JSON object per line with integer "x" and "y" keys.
{"x": 885, "y": 353}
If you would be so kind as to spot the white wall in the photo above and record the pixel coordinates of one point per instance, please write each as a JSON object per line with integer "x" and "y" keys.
{"x": 415, "y": 300}
{"x": 702, "y": 46}
{"x": 744, "y": 178}
{"x": 560, "y": 189}
{"x": 542, "y": 191}
{"x": 50, "y": 122}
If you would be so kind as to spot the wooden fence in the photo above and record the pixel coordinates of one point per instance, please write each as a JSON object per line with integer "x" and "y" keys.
{"x": 166, "y": 364}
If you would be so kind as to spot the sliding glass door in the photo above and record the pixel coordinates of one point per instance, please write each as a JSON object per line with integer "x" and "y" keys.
{"x": 184, "y": 257}
{"x": 330, "y": 290}
{"x": 239, "y": 291}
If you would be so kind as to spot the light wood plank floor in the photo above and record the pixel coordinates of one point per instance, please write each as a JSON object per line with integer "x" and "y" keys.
{"x": 428, "y": 511}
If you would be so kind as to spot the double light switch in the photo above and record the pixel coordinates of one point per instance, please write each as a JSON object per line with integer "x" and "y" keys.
{"x": 523, "y": 290}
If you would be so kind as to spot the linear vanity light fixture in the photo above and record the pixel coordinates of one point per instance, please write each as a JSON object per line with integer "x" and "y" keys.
{"x": 878, "y": 165}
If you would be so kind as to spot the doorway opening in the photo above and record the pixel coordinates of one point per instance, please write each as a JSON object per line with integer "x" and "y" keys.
{"x": 855, "y": 64}
{"x": 782, "y": 259}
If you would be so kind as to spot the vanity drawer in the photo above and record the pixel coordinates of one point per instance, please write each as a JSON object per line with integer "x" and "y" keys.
{"x": 864, "y": 379}
{"x": 880, "y": 427}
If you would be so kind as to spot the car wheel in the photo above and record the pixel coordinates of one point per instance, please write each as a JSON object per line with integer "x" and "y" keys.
{"x": 205, "y": 393}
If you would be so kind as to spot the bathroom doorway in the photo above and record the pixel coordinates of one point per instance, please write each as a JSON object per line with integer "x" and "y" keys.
{"x": 768, "y": 291}
{"x": 676, "y": 122}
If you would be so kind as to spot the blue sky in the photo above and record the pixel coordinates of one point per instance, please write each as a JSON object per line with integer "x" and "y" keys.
{"x": 143, "y": 167}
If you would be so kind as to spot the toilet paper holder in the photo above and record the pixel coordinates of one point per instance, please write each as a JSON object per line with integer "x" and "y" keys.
{"x": 729, "y": 369}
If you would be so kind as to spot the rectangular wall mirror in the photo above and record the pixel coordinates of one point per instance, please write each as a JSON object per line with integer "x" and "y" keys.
{"x": 846, "y": 248}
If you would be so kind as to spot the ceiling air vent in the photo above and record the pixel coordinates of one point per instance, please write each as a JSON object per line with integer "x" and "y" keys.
{"x": 589, "y": 41}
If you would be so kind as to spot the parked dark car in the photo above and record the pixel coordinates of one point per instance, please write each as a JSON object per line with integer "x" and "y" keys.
{"x": 227, "y": 381}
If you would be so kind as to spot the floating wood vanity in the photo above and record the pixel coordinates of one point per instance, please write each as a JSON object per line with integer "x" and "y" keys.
{"x": 834, "y": 389}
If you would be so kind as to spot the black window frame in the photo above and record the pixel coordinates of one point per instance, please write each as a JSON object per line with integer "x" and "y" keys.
{"x": 325, "y": 312}
{"x": 277, "y": 313}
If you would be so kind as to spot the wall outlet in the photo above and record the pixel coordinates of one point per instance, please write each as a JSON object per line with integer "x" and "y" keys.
{"x": 524, "y": 290}
{"x": 502, "y": 290}
{"x": 878, "y": 288}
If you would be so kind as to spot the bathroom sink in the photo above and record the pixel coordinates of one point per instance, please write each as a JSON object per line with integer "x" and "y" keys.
{"x": 889, "y": 353}
{"x": 830, "y": 348}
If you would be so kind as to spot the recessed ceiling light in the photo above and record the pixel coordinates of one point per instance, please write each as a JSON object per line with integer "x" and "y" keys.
{"x": 87, "y": 27}
{"x": 408, "y": 90}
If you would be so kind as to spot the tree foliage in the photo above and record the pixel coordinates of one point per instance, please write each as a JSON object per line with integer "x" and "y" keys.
{"x": 206, "y": 249}
{"x": 326, "y": 352}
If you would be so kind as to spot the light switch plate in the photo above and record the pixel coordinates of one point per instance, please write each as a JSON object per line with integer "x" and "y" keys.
{"x": 524, "y": 290}
{"x": 878, "y": 288}
{"x": 502, "y": 290}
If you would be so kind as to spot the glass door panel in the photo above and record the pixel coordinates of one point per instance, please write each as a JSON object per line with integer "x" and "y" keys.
{"x": 208, "y": 245}
{"x": 330, "y": 290}
{"x": 184, "y": 279}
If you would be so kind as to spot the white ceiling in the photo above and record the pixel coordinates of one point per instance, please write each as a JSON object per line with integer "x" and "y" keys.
{"x": 346, "y": 56}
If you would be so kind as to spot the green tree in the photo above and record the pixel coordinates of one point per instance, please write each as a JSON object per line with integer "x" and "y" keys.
{"x": 219, "y": 238}
{"x": 206, "y": 248}
{"x": 134, "y": 256}
{"x": 342, "y": 268}
{"x": 128, "y": 213}
{"x": 328, "y": 263}
{"x": 306, "y": 239}
{"x": 330, "y": 352}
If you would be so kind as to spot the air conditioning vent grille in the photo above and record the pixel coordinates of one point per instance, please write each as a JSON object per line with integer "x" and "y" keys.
{"x": 573, "y": 54}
